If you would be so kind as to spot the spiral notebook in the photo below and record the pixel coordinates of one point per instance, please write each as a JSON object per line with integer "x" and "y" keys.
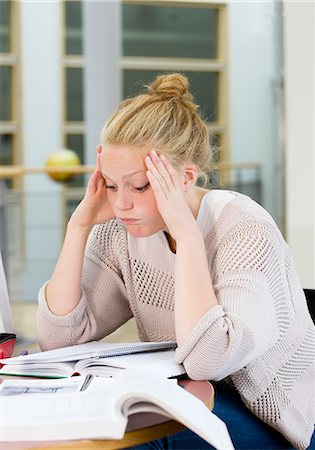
{"x": 99, "y": 358}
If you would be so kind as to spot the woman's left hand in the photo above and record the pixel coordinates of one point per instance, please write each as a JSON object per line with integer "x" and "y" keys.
{"x": 169, "y": 194}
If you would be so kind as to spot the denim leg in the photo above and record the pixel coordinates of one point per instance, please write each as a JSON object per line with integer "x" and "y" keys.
{"x": 312, "y": 444}
{"x": 158, "y": 444}
{"x": 246, "y": 430}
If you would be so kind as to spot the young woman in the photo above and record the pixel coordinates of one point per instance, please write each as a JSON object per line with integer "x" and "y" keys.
{"x": 207, "y": 268}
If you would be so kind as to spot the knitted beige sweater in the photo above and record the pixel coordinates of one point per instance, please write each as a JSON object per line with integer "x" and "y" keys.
{"x": 260, "y": 335}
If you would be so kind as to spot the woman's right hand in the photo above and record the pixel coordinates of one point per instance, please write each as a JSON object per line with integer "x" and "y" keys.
{"x": 95, "y": 207}
{"x": 63, "y": 291}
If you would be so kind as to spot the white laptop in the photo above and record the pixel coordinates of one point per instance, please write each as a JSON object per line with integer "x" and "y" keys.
{"x": 5, "y": 309}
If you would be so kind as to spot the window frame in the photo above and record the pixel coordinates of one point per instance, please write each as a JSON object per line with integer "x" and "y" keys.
{"x": 217, "y": 65}
{"x": 12, "y": 59}
{"x": 75, "y": 61}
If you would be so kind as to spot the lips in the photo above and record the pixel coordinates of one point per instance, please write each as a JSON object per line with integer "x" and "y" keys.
{"x": 128, "y": 220}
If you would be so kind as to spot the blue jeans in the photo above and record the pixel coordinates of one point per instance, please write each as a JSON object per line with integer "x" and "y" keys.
{"x": 246, "y": 430}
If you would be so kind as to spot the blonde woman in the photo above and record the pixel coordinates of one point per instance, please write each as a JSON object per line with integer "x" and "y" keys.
{"x": 207, "y": 268}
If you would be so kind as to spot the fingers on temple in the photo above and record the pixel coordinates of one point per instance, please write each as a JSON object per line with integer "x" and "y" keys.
{"x": 96, "y": 181}
{"x": 98, "y": 162}
{"x": 157, "y": 167}
{"x": 170, "y": 170}
{"x": 155, "y": 184}
{"x": 90, "y": 188}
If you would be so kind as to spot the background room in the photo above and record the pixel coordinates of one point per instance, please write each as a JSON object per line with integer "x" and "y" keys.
{"x": 65, "y": 66}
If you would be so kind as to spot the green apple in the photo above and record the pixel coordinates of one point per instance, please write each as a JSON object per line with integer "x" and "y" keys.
{"x": 62, "y": 158}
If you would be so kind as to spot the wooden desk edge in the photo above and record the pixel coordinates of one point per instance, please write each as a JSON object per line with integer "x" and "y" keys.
{"x": 130, "y": 439}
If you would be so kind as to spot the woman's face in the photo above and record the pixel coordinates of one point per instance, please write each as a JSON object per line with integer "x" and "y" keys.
{"x": 129, "y": 191}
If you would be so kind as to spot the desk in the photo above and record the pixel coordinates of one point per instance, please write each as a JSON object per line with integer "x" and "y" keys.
{"x": 201, "y": 389}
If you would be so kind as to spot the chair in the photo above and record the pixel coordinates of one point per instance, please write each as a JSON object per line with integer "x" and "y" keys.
{"x": 310, "y": 298}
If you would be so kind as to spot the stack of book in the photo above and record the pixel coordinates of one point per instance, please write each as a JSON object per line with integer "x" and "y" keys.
{"x": 118, "y": 387}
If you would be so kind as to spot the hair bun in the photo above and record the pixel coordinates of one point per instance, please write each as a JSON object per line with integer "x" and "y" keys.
{"x": 174, "y": 86}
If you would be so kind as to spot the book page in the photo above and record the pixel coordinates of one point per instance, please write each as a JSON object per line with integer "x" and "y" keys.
{"x": 161, "y": 362}
{"x": 30, "y": 386}
{"x": 89, "y": 414}
{"x": 175, "y": 402}
{"x": 42, "y": 370}
{"x": 100, "y": 412}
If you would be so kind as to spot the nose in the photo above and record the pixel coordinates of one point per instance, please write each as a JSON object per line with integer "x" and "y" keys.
{"x": 123, "y": 201}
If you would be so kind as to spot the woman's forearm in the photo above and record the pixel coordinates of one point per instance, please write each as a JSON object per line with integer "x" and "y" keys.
{"x": 194, "y": 293}
{"x": 64, "y": 288}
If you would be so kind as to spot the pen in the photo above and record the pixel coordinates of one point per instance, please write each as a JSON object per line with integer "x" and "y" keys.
{"x": 86, "y": 382}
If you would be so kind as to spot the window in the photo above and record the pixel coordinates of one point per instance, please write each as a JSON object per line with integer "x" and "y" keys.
{"x": 74, "y": 94}
{"x": 6, "y": 145}
{"x": 169, "y": 31}
{"x": 5, "y": 27}
{"x": 9, "y": 107}
{"x": 73, "y": 69}
{"x": 76, "y": 142}
{"x": 6, "y": 105}
{"x": 203, "y": 85}
{"x": 73, "y": 28}
{"x": 163, "y": 37}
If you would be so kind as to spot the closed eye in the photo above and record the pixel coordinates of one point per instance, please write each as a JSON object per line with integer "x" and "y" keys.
{"x": 112, "y": 188}
{"x": 143, "y": 188}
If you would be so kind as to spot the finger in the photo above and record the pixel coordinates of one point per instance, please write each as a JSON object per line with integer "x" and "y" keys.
{"x": 156, "y": 180}
{"x": 91, "y": 185}
{"x": 96, "y": 180}
{"x": 156, "y": 185}
{"x": 162, "y": 169}
{"x": 171, "y": 171}
{"x": 100, "y": 181}
{"x": 156, "y": 174}
{"x": 98, "y": 162}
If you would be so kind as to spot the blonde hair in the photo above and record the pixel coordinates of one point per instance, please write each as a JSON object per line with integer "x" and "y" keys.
{"x": 164, "y": 118}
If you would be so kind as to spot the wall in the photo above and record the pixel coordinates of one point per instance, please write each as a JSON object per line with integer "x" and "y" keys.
{"x": 299, "y": 20}
{"x": 102, "y": 88}
{"x": 255, "y": 74}
{"x": 40, "y": 219}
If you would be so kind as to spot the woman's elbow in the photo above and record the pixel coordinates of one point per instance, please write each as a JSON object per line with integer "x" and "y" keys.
{"x": 206, "y": 371}
{"x": 201, "y": 367}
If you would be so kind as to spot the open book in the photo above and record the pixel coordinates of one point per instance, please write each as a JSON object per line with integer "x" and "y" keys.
{"x": 102, "y": 410}
{"x": 97, "y": 358}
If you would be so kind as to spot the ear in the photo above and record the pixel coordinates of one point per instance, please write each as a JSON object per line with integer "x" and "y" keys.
{"x": 190, "y": 175}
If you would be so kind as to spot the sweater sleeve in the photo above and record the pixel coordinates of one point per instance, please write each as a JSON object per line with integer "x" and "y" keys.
{"x": 103, "y": 305}
{"x": 249, "y": 280}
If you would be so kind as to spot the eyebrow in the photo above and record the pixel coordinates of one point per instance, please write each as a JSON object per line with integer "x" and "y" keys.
{"x": 126, "y": 176}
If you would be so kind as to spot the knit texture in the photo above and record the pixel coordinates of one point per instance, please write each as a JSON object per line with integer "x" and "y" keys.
{"x": 260, "y": 336}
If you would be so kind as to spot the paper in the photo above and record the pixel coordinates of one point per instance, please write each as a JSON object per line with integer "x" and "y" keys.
{"x": 102, "y": 411}
{"x": 160, "y": 362}
{"x": 26, "y": 387}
